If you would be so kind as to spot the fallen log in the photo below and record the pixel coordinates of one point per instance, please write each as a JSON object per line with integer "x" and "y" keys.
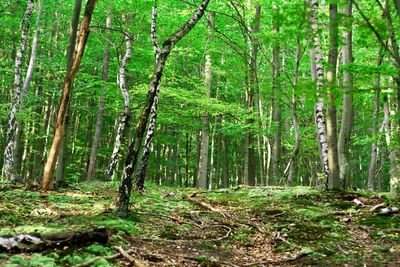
{"x": 39, "y": 242}
{"x": 389, "y": 211}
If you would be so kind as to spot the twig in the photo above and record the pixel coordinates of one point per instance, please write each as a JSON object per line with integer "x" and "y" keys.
{"x": 225, "y": 214}
{"x": 131, "y": 259}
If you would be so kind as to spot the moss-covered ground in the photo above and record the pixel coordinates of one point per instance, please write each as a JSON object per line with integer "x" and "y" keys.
{"x": 247, "y": 227}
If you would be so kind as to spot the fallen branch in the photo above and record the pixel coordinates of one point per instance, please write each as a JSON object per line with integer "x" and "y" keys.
{"x": 206, "y": 205}
{"x": 40, "y": 242}
{"x": 389, "y": 211}
{"x": 374, "y": 208}
{"x": 131, "y": 259}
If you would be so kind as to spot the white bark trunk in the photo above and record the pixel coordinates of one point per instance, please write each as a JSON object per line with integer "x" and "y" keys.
{"x": 8, "y": 170}
{"x": 124, "y": 119}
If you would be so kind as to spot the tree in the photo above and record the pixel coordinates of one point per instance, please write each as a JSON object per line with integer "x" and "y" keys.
{"x": 66, "y": 94}
{"x": 125, "y": 115}
{"x": 8, "y": 170}
{"x": 319, "y": 107}
{"x": 347, "y": 114}
{"x": 331, "y": 123}
{"x": 125, "y": 188}
{"x": 100, "y": 115}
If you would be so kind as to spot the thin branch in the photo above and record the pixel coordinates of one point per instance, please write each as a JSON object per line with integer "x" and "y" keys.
{"x": 375, "y": 31}
{"x": 114, "y": 30}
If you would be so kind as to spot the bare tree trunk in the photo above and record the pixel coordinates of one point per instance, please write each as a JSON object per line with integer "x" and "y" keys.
{"x": 212, "y": 168}
{"x": 125, "y": 116}
{"x": 25, "y": 87}
{"x": 293, "y": 160}
{"x": 66, "y": 95}
{"x": 100, "y": 114}
{"x": 319, "y": 107}
{"x": 347, "y": 115}
{"x": 334, "y": 181}
{"x": 9, "y": 171}
{"x": 374, "y": 146}
{"x": 276, "y": 117}
{"x": 121, "y": 208}
{"x": 205, "y": 136}
{"x": 225, "y": 166}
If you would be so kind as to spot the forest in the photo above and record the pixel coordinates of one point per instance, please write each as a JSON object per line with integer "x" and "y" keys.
{"x": 199, "y": 133}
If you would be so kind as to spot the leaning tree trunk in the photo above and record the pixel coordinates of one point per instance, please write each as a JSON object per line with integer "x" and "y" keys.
{"x": 100, "y": 115}
{"x": 144, "y": 161}
{"x": 124, "y": 119}
{"x": 319, "y": 107}
{"x": 26, "y": 85}
{"x": 125, "y": 188}
{"x": 347, "y": 115}
{"x": 9, "y": 171}
{"x": 66, "y": 96}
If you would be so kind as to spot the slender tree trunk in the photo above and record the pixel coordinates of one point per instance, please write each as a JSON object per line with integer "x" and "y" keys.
{"x": 9, "y": 171}
{"x": 250, "y": 165}
{"x": 100, "y": 114}
{"x": 276, "y": 117}
{"x": 125, "y": 116}
{"x": 66, "y": 94}
{"x": 293, "y": 160}
{"x": 334, "y": 181}
{"x": 374, "y": 146}
{"x": 347, "y": 114}
{"x": 125, "y": 188}
{"x": 26, "y": 85}
{"x": 205, "y": 136}
{"x": 212, "y": 168}
{"x": 225, "y": 166}
{"x": 319, "y": 107}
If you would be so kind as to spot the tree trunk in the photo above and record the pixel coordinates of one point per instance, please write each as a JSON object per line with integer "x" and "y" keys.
{"x": 276, "y": 117}
{"x": 25, "y": 87}
{"x": 121, "y": 208}
{"x": 225, "y": 166}
{"x": 374, "y": 146}
{"x": 334, "y": 181}
{"x": 125, "y": 116}
{"x": 253, "y": 25}
{"x": 293, "y": 160}
{"x": 319, "y": 107}
{"x": 9, "y": 171}
{"x": 205, "y": 136}
{"x": 100, "y": 114}
{"x": 66, "y": 94}
{"x": 347, "y": 115}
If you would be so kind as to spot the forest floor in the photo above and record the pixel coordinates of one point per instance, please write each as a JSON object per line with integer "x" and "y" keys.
{"x": 186, "y": 227}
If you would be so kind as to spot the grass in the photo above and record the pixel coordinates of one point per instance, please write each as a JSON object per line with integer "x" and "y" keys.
{"x": 265, "y": 223}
